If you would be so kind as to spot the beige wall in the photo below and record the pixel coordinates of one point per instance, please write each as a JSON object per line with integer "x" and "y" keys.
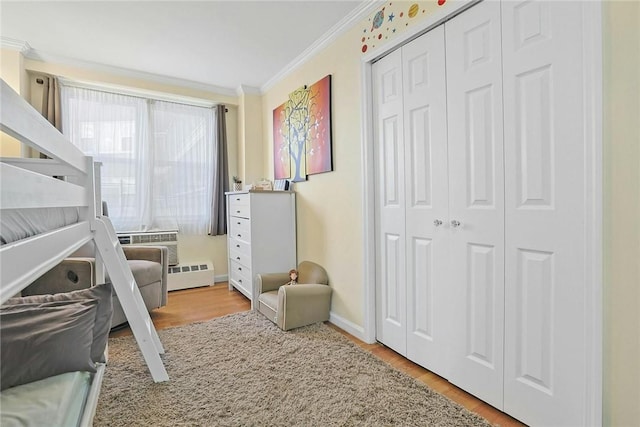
{"x": 250, "y": 149}
{"x": 329, "y": 211}
{"x": 330, "y": 214}
{"x": 621, "y": 57}
{"x": 12, "y": 72}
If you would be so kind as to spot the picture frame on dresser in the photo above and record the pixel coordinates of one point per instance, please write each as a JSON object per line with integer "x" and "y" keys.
{"x": 261, "y": 236}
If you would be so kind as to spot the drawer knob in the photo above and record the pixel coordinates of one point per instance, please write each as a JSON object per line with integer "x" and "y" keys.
{"x": 237, "y": 211}
{"x": 238, "y": 223}
{"x": 238, "y": 199}
{"x": 239, "y": 268}
{"x": 239, "y": 280}
{"x": 237, "y": 246}
{"x": 239, "y": 235}
{"x": 238, "y": 258}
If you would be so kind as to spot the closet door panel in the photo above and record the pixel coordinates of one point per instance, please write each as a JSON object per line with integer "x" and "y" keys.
{"x": 476, "y": 201}
{"x": 545, "y": 346}
{"x": 390, "y": 202}
{"x": 425, "y": 162}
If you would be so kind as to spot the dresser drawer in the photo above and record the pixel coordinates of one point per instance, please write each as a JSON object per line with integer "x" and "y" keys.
{"x": 239, "y": 205}
{"x": 240, "y": 258}
{"x": 240, "y": 229}
{"x": 240, "y": 246}
{"x": 241, "y": 275}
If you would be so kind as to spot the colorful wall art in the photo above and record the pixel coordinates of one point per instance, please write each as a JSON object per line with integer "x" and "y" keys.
{"x": 393, "y": 18}
{"x": 302, "y": 132}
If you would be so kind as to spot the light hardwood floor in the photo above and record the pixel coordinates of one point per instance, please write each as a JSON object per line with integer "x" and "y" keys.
{"x": 198, "y": 305}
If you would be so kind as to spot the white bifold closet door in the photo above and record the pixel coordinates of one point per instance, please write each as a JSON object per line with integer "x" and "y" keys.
{"x": 411, "y": 197}
{"x": 391, "y": 296}
{"x": 475, "y": 278}
{"x": 545, "y": 173}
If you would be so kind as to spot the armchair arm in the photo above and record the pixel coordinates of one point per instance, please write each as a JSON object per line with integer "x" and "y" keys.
{"x": 70, "y": 275}
{"x": 303, "y": 304}
{"x": 159, "y": 254}
{"x": 271, "y": 281}
{"x": 148, "y": 253}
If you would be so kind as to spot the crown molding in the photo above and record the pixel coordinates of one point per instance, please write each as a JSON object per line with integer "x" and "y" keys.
{"x": 248, "y": 90}
{"x": 355, "y": 16}
{"x": 125, "y": 72}
{"x": 14, "y": 44}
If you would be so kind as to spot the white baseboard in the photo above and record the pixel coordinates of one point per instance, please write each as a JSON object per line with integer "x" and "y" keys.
{"x": 347, "y": 326}
{"x": 221, "y": 278}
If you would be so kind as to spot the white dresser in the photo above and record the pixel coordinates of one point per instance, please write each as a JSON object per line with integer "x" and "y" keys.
{"x": 261, "y": 236}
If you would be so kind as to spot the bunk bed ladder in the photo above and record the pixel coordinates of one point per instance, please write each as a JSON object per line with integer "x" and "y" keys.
{"x": 130, "y": 299}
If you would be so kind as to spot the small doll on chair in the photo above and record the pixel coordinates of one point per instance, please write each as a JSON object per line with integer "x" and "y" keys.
{"x": 293, "y": 275}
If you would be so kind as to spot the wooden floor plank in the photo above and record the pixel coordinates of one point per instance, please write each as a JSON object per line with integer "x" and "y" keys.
{"x": 206, "y": 303}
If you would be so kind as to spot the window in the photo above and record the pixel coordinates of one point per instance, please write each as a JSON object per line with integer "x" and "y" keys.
{"x": 158, "y": 159}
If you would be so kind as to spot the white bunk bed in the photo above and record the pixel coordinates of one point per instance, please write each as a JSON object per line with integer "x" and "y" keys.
{"x": 29, "y": 184}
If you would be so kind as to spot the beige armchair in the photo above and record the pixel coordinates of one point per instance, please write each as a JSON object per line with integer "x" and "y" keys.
{"x": 293, "y": 306}
{"x": 149, "y": 265}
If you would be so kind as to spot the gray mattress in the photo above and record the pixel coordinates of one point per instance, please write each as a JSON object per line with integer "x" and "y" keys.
{"x": 17, "y": 224}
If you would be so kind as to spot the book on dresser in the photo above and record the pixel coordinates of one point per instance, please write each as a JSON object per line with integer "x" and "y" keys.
{"x": 261, "y": 236}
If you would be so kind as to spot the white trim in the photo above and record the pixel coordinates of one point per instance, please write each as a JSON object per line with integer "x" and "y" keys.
{"x": 125, "y": 72}
{"x": 348, "y": 326}
{"x": 140, "y": 93}
{"x": 593, "y": 63}
{"x": 368, "y": 207}
{"x": 14, "y": 44}
{"x": 221, "y": 278}
{"x": 247, "y": 90}
{"x": 347, "y": 23}
{"x": 593, "y": 118}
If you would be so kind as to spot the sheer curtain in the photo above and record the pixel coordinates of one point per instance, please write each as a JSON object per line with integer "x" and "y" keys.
{"x": 156, "y": 173}
{"x": 183, "y": 169}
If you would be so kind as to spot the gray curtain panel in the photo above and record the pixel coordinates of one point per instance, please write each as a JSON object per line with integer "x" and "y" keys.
{"x": 218, "y": 223}
{"x": 51, "y": 107}
{"x": 51, "y": 101}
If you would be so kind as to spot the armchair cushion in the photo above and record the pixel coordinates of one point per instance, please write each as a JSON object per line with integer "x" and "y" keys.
{"x": 145, "y": 272}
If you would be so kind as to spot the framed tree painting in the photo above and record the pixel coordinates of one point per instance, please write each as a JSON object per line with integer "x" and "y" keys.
{"x": 302, "y": 132}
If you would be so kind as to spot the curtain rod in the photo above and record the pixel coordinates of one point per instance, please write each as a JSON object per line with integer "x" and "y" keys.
{"x": 139, "y": 93}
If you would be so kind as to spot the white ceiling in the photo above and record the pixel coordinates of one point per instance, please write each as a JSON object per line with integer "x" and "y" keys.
{"x": 222, "y": 44}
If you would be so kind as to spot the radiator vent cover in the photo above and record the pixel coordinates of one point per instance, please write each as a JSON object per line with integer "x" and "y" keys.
{"x": 191, "y": 275}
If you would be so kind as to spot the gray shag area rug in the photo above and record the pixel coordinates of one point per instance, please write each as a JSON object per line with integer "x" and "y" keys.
{"x": 241, "y": 370}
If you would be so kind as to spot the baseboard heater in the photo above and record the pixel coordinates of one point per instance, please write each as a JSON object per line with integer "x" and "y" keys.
{"x": 191, "y": 275}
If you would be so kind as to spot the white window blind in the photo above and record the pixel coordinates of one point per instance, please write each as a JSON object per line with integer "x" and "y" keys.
{"x": 157, "y": 157}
